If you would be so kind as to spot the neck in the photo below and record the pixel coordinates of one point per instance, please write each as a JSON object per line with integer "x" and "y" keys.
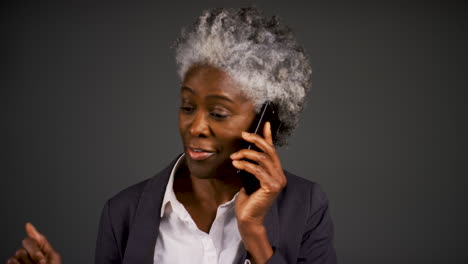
{"x": 218, "y": 190}
{"x": 211, "y": 191}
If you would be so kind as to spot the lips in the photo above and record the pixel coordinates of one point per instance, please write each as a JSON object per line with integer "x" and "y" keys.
{"x": 199, "y": 153}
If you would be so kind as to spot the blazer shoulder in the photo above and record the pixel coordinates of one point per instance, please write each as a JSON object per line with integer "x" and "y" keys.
{"x": 130, "y": 195}
{"x": 298, "y": 183}
{"x": 126, "y": 202}
{"x": 303, "y": 192}
{"x": 116, "y": 218}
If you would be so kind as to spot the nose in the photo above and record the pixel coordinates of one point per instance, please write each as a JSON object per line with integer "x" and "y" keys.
{"x": 200, "y": 126}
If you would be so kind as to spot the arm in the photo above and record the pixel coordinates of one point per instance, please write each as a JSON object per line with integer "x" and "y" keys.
{"x": 107, "y": 250}
{"x": 317, "y": 239}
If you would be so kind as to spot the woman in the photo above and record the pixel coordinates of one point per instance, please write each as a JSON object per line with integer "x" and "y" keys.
{"x": 196, "y": 210}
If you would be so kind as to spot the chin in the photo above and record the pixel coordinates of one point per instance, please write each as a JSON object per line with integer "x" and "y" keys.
{"x": 202, "y": 170}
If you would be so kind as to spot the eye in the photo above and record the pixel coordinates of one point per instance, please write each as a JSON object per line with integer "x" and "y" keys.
{"x": 219, "y": 113}
{"x": 218, "y": 116}
{"x": 188, "y": 109}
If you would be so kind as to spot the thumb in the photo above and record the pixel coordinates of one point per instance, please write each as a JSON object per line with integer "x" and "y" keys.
{"x": 40, "y": 239}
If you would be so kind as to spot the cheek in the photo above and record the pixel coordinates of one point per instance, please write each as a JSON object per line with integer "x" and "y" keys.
{"x": 183, "y": 123}
{"x": 230, "y": 135}
{"x": 235, "y": 127}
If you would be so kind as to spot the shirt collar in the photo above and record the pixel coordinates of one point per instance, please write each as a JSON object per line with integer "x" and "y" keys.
{"x": 169, "y": 195}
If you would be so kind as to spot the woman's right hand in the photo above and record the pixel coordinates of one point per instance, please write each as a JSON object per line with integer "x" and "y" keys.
{"x": 36, "y": 249}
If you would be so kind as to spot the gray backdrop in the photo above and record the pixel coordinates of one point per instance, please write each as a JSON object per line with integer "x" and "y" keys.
{"x": 89, "y": 99}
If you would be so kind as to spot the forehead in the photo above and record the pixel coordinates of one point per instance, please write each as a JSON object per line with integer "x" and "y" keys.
{"x": 208, "y": 81}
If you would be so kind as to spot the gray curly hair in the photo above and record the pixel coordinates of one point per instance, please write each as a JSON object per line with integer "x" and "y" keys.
{"x": 261, "y": 54}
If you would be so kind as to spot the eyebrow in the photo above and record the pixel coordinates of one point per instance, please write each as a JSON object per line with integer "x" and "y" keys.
{"x": 212, "y": 96}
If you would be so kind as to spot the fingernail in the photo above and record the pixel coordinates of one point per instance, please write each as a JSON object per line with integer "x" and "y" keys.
{"x": 245, "y": 133}
{"x": 233, "y": 155}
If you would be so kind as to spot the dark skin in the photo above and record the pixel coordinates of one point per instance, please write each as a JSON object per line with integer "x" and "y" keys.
{"x": 36, "y": 249}
{"x": 214, "y": 116}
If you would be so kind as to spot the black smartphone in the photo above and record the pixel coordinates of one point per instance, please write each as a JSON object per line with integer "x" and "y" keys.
{"x": 268, "y": 113}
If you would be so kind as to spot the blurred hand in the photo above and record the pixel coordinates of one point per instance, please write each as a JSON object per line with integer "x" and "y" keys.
{"x": 36, "y": 249}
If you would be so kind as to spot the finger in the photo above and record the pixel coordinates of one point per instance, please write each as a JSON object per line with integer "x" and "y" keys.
{"x": 12, "y": 260}
{"x": 34, "y": 234}
{"x": 267, "y": 182}
{"x": 267, "y": 133}
{"x": 40, "y": 239}
{"x": 33, "y": 250}
{"x": 261, "y": 143}
{"x": 261, "y": 158}
{"x": 22, "y": 256}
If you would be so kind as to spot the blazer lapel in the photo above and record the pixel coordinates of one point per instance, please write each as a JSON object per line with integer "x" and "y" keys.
{"x": 145, "y": 228}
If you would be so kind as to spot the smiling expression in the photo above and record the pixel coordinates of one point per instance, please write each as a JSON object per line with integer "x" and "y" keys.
{"x": 212, "y": 115}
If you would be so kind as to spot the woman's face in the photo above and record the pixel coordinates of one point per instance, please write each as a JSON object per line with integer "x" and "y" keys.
{"x": 212, "y": 116}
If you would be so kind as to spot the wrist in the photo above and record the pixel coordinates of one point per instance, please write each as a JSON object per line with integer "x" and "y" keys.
{"x": 251, "y": 229}
{"x": 256, "y": 244}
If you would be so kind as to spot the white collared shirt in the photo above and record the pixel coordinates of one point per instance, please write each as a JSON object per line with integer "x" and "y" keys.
{"x": 180, "y": 240}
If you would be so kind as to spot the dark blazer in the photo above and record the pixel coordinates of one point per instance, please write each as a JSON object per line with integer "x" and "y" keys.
{"x": 298, "y": 224}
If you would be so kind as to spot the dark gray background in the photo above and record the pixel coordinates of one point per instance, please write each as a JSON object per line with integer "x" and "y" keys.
{"x": 89, "y": 98}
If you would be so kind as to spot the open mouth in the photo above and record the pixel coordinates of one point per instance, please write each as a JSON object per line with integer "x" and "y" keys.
{"x": 199, "y": 154}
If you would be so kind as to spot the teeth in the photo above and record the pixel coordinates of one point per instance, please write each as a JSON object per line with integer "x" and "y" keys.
{"x": 200, "y": 151}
